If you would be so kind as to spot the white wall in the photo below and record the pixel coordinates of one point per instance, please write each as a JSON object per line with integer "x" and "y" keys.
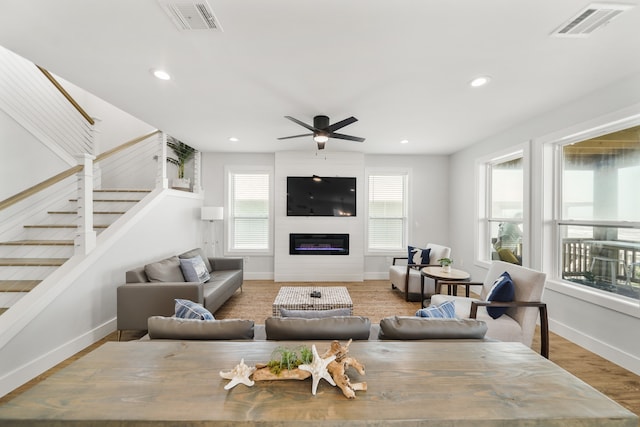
{"x": 24, "y": 161}
{"x": 586, "y": 318}
{"x": 65, "y": 313}
{"x": 318, "y": 267}
{"x": 428, "y": 200}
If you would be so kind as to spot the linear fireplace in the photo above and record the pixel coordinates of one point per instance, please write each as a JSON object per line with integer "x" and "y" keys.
{"x": 318, "y": 244}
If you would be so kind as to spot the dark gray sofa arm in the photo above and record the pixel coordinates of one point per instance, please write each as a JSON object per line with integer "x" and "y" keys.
{"x": 136, "y": 302}
{"x": 218, "y": 264}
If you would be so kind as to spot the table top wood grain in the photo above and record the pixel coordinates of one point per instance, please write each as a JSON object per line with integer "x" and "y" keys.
{"x": 409, "y": 383}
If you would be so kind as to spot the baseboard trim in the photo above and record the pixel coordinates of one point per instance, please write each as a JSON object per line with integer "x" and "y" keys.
{"x": 27, "y": 372}
{"x": 612, "y": 354}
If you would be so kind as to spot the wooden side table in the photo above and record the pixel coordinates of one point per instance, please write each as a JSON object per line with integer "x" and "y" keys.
{"x": 437, "y": 273}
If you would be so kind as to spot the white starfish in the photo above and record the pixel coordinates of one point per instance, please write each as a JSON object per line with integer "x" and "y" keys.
{"x": 238, "y": 375}
{"x": 318, "y": 369}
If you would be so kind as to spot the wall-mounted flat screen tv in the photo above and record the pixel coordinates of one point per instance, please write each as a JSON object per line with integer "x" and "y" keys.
{"x": 321, "y": 196}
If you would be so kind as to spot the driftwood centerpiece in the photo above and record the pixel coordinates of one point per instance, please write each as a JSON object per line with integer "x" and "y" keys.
{"x": 302, "y": 363}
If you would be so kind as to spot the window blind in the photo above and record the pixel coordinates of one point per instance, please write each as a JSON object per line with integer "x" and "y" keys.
{"x": 250, "y": 211}
{"x": 387, "y": 212}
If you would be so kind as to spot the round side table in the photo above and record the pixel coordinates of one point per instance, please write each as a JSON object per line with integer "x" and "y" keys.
{"x": 437, "y": 273}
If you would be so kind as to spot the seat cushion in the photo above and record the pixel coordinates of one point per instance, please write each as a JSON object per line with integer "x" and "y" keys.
{"x": 194, "y": 269}
{"x": 328, "y": 328}
{"x": 167, "y": 270}
{"x": 195, "y": 252}
{"x": 501, "y": 291}
{"x": 416, "y": 328}
{"x": 418, "y": 255}
{"x": 315, "y": 314}
{"x": 446, "y": 310}
{"x": 397, "y": 277}
{"x": 174, "y": 328}
{"x": 186, "y": 309}
{"x": 504, "y": 328}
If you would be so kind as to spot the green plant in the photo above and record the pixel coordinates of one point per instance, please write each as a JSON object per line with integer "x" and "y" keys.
{"x": 284, "y": 358}
{"x": 183, "y": 153}
{"x": 445, "y": 261}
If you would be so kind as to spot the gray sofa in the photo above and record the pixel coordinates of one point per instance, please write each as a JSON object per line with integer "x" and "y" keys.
{"x": 150, "y": 290}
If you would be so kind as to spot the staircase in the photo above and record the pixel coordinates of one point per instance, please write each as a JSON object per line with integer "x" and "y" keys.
{"x": 47, "y": 245}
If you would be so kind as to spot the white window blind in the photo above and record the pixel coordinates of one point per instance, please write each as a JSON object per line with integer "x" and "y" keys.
{"x": 250, "y": 211}
{"x": 387, "y": 212}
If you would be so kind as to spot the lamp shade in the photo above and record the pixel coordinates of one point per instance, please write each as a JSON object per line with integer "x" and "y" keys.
{"x": 211, "y": 213}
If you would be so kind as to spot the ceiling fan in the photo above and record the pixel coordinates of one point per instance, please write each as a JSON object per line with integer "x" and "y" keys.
{"x": 322, "y": 131}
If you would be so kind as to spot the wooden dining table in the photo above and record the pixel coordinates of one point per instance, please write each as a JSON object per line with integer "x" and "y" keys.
{"x": 413, "y": 383}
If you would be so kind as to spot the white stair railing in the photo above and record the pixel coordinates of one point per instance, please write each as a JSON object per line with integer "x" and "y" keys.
{"x": 32, "y": 97}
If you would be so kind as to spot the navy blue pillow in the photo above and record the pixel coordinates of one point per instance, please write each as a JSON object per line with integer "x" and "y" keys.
{"x": 502, "y": 290}
{"x": 418, "y": 255}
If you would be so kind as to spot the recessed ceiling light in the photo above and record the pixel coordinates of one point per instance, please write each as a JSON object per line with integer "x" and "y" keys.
{"x": 234, "y": 139}
{"x": 404, "y": 141}
{"x": 161, "y": 74}
{"x": 480, "y": 81}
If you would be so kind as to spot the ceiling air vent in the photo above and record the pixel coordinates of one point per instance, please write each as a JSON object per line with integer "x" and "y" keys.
{"x": 191, "y": 14}
{"x": 594, "y": 16}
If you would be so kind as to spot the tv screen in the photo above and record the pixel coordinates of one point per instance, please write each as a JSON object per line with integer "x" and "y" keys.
{"x": 321, "y": 196}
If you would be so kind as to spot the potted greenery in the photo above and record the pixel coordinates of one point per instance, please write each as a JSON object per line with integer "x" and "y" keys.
{"x": 183, "y": 153}
{"x": 445, "y": 263}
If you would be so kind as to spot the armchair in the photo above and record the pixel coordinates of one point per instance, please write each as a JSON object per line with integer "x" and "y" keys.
{"x": 519, "y": 321}
{"x": 406, "y": 277}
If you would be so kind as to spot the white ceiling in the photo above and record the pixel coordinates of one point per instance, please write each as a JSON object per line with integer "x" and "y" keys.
{"x": 401, "y": 67}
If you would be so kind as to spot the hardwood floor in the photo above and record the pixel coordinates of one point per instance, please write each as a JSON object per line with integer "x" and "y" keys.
{"x": 375, "y": 299}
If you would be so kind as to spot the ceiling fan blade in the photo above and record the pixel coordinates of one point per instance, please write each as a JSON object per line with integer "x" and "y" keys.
{"x": 296, "y": 136}
{"x": 347, "y": 137}
{"x": 341, "y": 124}
{"x": 303, "y": 124}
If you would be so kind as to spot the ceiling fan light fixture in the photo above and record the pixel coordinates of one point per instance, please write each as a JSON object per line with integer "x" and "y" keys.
{"x": 320, "y": 138}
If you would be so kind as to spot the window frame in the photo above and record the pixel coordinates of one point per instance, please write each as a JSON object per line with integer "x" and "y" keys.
{"x": 406, "y": 175}
{"x": 553, "y": 153}
{"x": 482, "y": 252}
{"x": 229, "y": 247}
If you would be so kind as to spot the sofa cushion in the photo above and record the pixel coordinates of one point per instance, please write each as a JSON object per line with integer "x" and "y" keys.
{"x": 417, "y": 328}
{"x": 418, "y": 255}
{"x": 167, "y": 270}
{"x": 161, "y": 327}
{"x": 328, "y": 328}
{"x": 186, "y": 309}
{"x": 446, "y": 310}
{"x": 502, "y": 291}
{"x": 194, "y": 270}
{"x": 315, "y": 314}
{"x": 198, "y": 251}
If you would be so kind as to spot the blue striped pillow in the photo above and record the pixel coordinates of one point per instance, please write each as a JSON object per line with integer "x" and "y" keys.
{"x": 446, "y": 310}
{"x": 186, "y": 309}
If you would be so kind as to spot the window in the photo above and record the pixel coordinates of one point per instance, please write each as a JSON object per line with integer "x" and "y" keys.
{"x": 249, "y": 211}
{"x": 598, "y": 224}
{"x": 502, "y": 213}
{"x": 387, "y": 212}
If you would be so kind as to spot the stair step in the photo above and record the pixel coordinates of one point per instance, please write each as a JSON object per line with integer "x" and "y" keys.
{"x": 95, "y": 212}
{"x": 62, "y": 226}
{"x": 122, "y": 190}
{"x": 110, "y": 200}
{"x": 32, "y": 262}
{"x": 38, "y": 243}
{"x": 18, "y": 285}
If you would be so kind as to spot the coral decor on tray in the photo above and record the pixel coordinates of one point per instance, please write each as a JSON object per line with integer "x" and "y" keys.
{"x": 300, "y": 364}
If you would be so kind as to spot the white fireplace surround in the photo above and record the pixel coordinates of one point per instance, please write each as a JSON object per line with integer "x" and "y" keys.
{"x": 309, "y": 268}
